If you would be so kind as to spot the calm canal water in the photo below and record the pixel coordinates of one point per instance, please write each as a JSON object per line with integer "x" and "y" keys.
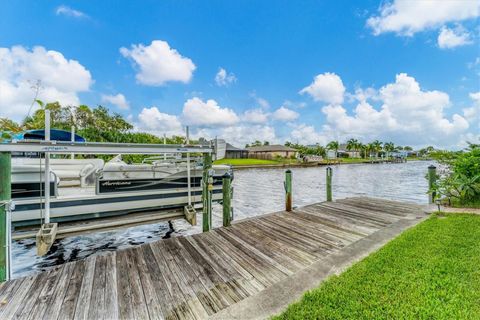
{"x": 256, "y": 191}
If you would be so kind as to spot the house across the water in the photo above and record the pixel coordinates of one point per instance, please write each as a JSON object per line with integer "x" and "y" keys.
{"x": 233, "y": 152}
{"x": 271, "y": 152}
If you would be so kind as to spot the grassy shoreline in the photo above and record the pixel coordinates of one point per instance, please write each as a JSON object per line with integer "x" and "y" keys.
{"x": 250, "y": 162}
{"x": 428, "y": 272}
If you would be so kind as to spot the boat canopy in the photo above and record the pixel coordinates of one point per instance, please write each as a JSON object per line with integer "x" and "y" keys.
{"x": 55, "y": 134}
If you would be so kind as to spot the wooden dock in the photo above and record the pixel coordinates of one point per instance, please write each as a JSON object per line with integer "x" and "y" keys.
{"x": 195, "y": 277}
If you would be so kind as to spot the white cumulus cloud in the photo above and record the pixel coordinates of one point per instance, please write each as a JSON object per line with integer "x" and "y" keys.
{"x": 407, "y": 114}
{"x": 60, "y": 79}
{"x": 207, "y": 113}
{"x": 241, "y": 134}
{"x": 158, "y": 63}
{"x": 223, "y": 78}
{"x": 307, "y": 134}
{"x": 472, "y": 114}
{"x": 263, "y": 103}
{"x": 159, "y": 123}
{"x": 451, "y": 38}
{"x": 406, "y": 17}
{"x": 327, "y": 87}
{"x": 117, "y": 100}
{"x": 67, "y": 11}
{"x": 255, "y": 116}
{"x": 285, "y": 114}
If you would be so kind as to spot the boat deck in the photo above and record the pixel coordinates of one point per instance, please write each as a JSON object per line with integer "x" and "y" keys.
{"x": 207, "y": 274}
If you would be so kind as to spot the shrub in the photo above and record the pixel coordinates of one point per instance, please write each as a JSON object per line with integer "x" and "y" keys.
{"x": 461, "y": 184}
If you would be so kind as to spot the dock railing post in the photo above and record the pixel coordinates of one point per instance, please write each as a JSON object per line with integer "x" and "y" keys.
{"x": 5, "y": 196}
{"x": 207, "y": 187}
{"x": 329, "y": 184}
{"x": 227, "y": 199}
{"x": 288, "y": 190}
{"x": 47, "y": 169}
{"x": 432, "y": 179}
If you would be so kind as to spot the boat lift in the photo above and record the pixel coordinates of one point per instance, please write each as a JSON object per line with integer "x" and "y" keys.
{"x": 46, "y": 235}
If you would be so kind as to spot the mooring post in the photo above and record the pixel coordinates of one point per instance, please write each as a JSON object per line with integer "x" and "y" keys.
{"x": 47, "y": 169}
{"x": 288, "y": 190}
{"x": 5, "y": 196}
{"x": 227, "y": 199}
{"x": 329, "y": 184}
{"x": 207, "y": 187}
{"x": 432, "y": 179}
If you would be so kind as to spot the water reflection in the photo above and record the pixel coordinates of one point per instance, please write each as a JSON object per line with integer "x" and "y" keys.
{"x": 256, "y": 191}
{"x": 261, "y": 190}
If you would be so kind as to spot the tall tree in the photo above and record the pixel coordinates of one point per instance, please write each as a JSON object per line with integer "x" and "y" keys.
{"x": 376, "y": 147}
{"x": 256, "y": 143}
{"x": 352, "y": 145}
{"x": 362, "y": 148}
{"x": 83, "y": 117}
{"x": 369, "y": 147}
{"x": 9, "y": 125}
{"x": 389, "y": 147}
{"x": 333, "y": 145}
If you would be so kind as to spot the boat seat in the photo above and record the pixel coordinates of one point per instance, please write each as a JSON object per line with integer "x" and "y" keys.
{"x": 118, "y": 170}
{"x": 76, "y": 172}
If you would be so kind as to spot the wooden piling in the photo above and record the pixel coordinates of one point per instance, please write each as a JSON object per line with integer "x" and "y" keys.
{"x": 190, "y": 214}
{"x": 5, "y": 196}
{"x": 207, "y": 186}
{"x": 288, "y": 190}
{"x": 432, "y": 179}
{"x": 227, "y": 199}
{"x": 46, "y": 237}
{"x": 329, "y": 184}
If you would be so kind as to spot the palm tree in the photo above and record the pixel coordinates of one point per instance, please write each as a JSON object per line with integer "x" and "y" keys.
{"x": 472, "y": 146}
{"x": 358, "y": 147}
{"x": 389, "y": 147}
{"x": 376, "y": 147}
{"x": 333, "y": 145}
{"x": 352, "y": 145}
{"x": 369, "y": 147}
{"x": 362, "y": 147}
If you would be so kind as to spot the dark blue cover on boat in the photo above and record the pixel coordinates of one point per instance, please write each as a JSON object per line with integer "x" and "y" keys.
{"x": 55, "y": 134}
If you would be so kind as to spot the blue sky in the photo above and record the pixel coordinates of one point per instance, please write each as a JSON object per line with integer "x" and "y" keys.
{"x": 397, "y": 70}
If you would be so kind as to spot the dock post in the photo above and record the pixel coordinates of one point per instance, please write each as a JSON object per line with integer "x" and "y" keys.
{"x": 207, "y": 187}
{"x": 432, "y": 179}
{"x": 227, "y": 199}
{"x": 5, "y": 196}
{"x": 329, "y": 184}
{"x": 48, "y": 231}
{"x": 288, "y": 190}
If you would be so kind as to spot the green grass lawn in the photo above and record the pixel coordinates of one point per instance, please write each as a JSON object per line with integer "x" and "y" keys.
{"x": 431, "y": 271}
{"x": 246, "y": 162}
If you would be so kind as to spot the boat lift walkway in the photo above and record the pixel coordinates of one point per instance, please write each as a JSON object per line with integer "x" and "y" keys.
{"x": 250, "y": 270}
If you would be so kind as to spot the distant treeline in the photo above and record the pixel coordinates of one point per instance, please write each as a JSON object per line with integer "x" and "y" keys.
{"x": 94, "y": 124}
{"x": 353, "y": 146}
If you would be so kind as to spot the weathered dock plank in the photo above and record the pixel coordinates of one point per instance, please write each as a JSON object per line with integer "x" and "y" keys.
{"x": 202, "y": 275}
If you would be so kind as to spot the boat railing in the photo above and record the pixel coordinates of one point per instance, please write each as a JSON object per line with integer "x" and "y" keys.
{"x": 54, "y": 182}
{"x": 152, "y": 160}
{"x": 157, "y": 172}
